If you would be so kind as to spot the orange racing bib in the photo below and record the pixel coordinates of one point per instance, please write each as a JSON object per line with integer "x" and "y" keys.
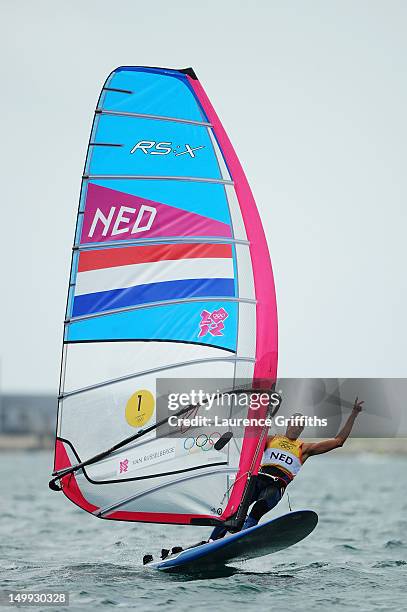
{"x": 284, "y": 454}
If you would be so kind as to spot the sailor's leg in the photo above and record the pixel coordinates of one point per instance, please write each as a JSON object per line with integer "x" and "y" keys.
{"x": 261, "y": 507}
{"x": 256, "y": 488}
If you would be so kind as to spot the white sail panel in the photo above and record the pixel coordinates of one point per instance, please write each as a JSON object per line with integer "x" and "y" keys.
{"x": 92, "y": 363}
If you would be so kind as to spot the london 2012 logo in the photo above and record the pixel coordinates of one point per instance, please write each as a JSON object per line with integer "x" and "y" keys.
{"x": 123, "y": 466}
{"x": 151, "y": 147}
{"x": 212, "y": 322}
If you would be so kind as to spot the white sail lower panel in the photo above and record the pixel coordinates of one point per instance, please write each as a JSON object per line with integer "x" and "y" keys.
{"x": 188, "y": 480}
{"x": 195, "y": 493}
{"x": 93, "y": 363}
{"x": 97, "y": 419}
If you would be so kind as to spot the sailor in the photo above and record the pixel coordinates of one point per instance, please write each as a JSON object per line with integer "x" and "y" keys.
{"x": 282, "y": 459}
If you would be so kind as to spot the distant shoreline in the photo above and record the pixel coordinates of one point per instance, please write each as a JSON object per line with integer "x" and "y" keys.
{"x": 27, "y": 442}
{"x": 33, "y": 442}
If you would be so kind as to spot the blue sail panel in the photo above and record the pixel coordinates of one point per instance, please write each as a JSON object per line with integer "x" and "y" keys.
{"x": 151, "y": 92}
{"x": 149, "y": 147}
{"x": 213, "y": 323}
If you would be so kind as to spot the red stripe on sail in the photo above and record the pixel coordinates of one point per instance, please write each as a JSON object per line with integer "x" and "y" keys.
{"x": 70, "y": 487}
{"x": 157, "y": 517}
{"x": 111, "y": 258}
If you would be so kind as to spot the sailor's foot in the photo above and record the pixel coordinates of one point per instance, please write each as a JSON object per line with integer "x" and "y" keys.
{"x": 249, "y": 522}
{"x": 176, "y": 549}
{"x": 147, "y": 559}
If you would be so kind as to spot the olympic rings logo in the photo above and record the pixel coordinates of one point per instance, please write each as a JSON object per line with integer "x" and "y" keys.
{"x": 203, "y": 442}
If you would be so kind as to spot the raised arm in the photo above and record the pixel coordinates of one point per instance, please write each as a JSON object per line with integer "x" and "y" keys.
{"x": 317, "y": 448}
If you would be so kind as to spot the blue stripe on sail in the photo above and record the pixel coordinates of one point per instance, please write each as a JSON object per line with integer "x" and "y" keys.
{"x": 176, "y": 322}
{"x": 152, "y": 292}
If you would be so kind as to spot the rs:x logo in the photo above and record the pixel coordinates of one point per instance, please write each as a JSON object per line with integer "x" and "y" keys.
{"x": 151, "y": 147}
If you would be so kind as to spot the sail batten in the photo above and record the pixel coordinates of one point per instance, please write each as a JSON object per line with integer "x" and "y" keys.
{"x": 224, "y": 298}
{"x": 156, "y": 370}
{"x": 193, "y": 179}
{"x": 170, "y": 279}
{"x": 157, "y": 117}
{"x": 175, "y": 239}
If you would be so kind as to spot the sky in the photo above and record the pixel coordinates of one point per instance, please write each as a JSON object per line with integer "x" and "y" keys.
{"x": 313, "y": 96}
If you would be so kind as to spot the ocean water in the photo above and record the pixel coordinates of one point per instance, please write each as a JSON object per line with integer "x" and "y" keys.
{"x": 356, "y": 559}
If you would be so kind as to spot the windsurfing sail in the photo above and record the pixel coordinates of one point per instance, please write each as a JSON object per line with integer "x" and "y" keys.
{"x": 170, "y": 277}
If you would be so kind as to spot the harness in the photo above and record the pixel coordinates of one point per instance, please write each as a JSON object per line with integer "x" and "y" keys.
{"x": 279, "y": 479}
